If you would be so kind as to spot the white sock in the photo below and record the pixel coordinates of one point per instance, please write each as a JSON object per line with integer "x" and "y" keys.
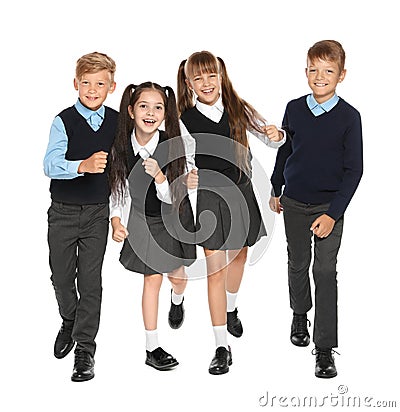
{"x": 221, "y": 336}
{"x": 176, "y": 299}
{"x": 151, "y": 340}
{"x": 230, "y": 301}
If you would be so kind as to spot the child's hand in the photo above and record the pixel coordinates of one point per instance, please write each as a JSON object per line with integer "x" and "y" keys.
{"x": 192, "y": 180}
{"x": 96, "y": 163}
{"x": 119, "y": 232}
{"x": 275, "y": 204}
{"x": 273, "y": 133}
{"x": 322, "y": 226}
{"x": 151, "y": 168}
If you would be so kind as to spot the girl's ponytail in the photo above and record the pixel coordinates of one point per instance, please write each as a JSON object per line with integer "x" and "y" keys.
{"x": 185, "y": 95}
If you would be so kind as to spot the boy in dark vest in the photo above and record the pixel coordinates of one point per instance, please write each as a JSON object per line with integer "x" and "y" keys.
{"x": 78, "y": 218}
{"x": 320, "y": 167}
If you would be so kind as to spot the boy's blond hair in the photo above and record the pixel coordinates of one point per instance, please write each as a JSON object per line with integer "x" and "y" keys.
{"x": 330, "y": 50}
{"x": 93, "y": 63}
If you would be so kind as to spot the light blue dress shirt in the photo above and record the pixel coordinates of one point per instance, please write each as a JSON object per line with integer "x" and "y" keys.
{"x": 318, "y": 109}
{"x": 55, "y": 165}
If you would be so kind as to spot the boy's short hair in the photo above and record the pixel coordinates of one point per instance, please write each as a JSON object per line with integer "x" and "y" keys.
{"x": 330, "y": 50}
{"x": 93, "y": 63}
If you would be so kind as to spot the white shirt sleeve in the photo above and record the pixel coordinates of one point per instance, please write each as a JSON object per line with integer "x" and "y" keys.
{"x": 163, "y": 193}
{"x": 268, "y": 142}
{"x": 117, "y": 205}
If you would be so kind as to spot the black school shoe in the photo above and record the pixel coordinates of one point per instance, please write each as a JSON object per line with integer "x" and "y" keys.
{"x": 299, "y": 335}
{"x": 176, "y": 315}
{"x": 221, "y": 361}
{"x": 64, "y": 342}
{"x": 234, "y": 325}
{"x": 83, "y": 366}
{"x": 325, "y": 363}
{"x": 160, "y": 360}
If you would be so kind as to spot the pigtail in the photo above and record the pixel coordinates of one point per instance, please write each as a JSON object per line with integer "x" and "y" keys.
{"x": 177, "y": 164}
{"x": 185, "y": 95}
{"x": 118, "y": 157}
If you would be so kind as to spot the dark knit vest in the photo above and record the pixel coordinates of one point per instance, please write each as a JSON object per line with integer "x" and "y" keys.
{"x": 215, "y": 149}
{"x": 141, "y": 185}
{"x": 83, "y": 141}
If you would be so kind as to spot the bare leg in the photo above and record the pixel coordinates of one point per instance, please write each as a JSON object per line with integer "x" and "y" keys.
{"x": 235, "y": 269}
{"x": 216, "y": 279}
{"x": 178, "y": 280}
{"x": 151, "y": 289}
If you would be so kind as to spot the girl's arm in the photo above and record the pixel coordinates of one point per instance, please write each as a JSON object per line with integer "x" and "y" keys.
{"x": 119, "y": 231}
{"x": 273, "y": 136}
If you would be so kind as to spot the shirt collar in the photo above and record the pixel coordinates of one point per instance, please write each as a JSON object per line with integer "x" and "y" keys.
{"x": 150, "y": 146}
{"x": 86, "y": 113}
{"x": 204, "y": 108}
{"x": 326, "y": 106}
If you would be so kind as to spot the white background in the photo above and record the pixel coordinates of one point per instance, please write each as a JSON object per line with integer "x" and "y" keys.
{"x": 264, "y": 45}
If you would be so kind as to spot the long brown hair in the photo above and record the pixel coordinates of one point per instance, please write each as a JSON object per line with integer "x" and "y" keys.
{"x": 242, "y": 116}
{"x": 119, "y": 151}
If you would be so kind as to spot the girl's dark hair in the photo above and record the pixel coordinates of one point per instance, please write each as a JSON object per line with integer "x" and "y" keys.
{"x": 242, "y": 115}
{"x": 119, "y": 151}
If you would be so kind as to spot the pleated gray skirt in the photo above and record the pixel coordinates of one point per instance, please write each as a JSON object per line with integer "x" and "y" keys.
{"x": 228, "y": 218}
{"x": 159, "y": 244}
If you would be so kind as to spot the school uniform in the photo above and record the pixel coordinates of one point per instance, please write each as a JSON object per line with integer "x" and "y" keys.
{"x": 161, "y": 237}
{"x": 227, "y": 213}
{"x": 320, "y": 168}
{"x": 78, "y": 218}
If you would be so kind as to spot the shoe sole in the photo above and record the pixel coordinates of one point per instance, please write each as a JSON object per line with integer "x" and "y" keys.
{"x": 326, "y": 376}
{"x": 217, "y": 372}
{"x": 81, "y": 379}
{"x": 65, "y": 353}
{"x": 162, "y": 368}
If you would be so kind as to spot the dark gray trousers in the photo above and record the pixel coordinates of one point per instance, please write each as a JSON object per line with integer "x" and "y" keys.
{"x": 298, "y": 218}
{"x": 77, "y": 237}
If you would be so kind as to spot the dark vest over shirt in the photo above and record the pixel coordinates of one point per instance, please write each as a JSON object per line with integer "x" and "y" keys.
{"x": 83, "y": 141}
{"x": 215, "y": 149}
{"x": 141, "y": 185}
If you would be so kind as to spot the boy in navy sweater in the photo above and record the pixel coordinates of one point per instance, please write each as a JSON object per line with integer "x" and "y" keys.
{"x": 78, "y": 218}
{"x": 320, "y": 167}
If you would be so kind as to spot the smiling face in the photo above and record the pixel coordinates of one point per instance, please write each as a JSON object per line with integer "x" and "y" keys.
{"x": 148, "y": 113}
{"x": 323, "y": 77}
{"x": 206, "y": 86}
{"x": 93, "y": 88}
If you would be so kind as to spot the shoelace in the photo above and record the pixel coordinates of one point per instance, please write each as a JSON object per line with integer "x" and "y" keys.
{"x": 300, "y": 324}
{"x": 324, "y": 353}
{"x": 81, "y": 357}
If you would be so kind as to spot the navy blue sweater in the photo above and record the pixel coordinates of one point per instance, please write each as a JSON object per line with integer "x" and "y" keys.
{"x": 322, "y": 160}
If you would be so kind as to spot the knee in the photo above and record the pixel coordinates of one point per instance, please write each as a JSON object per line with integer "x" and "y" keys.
{"x": 152, "y": 282}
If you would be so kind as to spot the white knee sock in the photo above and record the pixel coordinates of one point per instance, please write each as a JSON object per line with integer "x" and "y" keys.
{"x": 176, "y": 299}
{"x": 221, "y": 336}
{"x": 230, "y": 301}
{"x": 151, "y": 340}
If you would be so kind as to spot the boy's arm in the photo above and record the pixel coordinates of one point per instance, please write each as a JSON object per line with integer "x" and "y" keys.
{"x": 54, "y": 164}
{"x": 353, "y": 170}
{"x": 277, "y": 178}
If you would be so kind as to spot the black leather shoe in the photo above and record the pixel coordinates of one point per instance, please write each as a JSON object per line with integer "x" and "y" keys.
{"x": 176, "y": 315}
{"x": 325, "y": 363}
{"x": 234, "y": 324}
{"x": 64, "y": 343}
{"x": 160, "y": 360}
{"x": 299, "y": 335}
{"x": 83, "y": 366}
{"x": 221, "y": 361}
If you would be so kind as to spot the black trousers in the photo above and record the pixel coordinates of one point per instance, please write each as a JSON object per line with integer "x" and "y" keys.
{"x": 77, "y": 237}
{"x": 298, "y": 218}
